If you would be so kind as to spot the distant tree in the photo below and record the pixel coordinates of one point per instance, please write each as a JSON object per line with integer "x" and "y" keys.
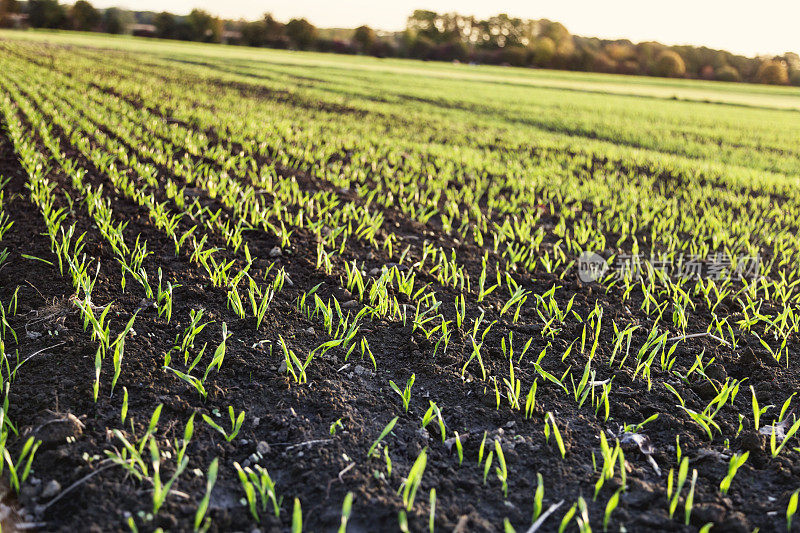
{"x": 504, "y": 31}
{"x": 646, "y": 54}
{"x": 46, "y": 14}
{"x": 514, "y": 55}
{"x": 772, "y": 72}
{"x": 454, "y": 50}
{"x": 727, "y": 73}
{"x": 746, "y": 66}
{"x": 9, "y": 6}
{"x": 166, "y": 25}
{"x": 565, "y": 50}
{"x": 275, "y": 32}
{"x": 421, "y": 47}
{"x": 254, "y": 33}
{"x": 7, "y": 9}
{"x": 602, "y": 63}
{"x": 422, "y": 23}
{"x": 217, "y": 30}
{"x": 83, "y": 16}
{"x": 301, "y": 33}
{"x": 204, "y": 27}
{"x": 629, "y": 66}
{"x": 669, "y": 64}
{"x": 707, "y": 72}
{"x": 620, "y": 51}
{"x": 184, "y": 31}
{"x": 793, "y": 62}
{"x": 265, "y": 32}
{"x": 555, "y": 30}
{"x": 543, "y": 50}
{"x": 200, "y": 22}
{"x": 488, "y": 39}
{"x": 116, "y": 20}
{"x": 383, "y": 48}
{"x": 364, "y": 37}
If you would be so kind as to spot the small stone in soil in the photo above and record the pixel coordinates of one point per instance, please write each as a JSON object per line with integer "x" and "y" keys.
{"x": 52, "y": 488}
{"x": 5, "y": 512}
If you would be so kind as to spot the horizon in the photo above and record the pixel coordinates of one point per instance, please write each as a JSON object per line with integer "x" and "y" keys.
{"x": 768, "y": 31}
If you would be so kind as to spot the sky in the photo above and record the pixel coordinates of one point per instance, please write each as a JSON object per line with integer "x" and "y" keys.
{"x": 750, "y": 28}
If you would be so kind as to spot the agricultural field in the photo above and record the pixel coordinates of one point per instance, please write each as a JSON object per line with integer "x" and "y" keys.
{"x": 250, "y": 290}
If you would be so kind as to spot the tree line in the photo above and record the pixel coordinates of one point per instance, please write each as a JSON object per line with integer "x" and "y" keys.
{"x": 501, "y": 40}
